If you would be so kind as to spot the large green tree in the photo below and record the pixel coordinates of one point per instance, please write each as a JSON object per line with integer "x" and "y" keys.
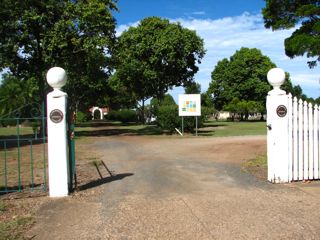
{"x": 285, "y": 14}
{"x": 155, "y": 56}
{"x": 243, "y": 76}
{"x": 79, "y": 35}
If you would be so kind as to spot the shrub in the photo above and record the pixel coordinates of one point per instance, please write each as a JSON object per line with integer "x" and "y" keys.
{"x": 124, "y": 115}
{"x": 82, "y": 117}
{"x": 168, "y": 117}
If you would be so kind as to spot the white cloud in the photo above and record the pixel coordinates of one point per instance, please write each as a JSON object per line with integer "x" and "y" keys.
{"x": 199, "y": 13}
{"x": 222, "y": 37}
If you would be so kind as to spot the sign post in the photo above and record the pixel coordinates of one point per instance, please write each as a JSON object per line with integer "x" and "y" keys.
{"x": 57, "y": 134}
{"x": 190, "y": 105}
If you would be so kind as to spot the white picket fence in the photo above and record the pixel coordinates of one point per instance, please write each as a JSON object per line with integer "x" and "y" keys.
{"x": 303, "y": 145}
{"x": 293, "y": 134}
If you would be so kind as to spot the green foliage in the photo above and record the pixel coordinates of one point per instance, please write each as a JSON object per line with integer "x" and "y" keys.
{"x": 192, "y": 88}
{"x": 243, "y": 76}
{"x": 82, "y": 117}
{"x": 155, "y": 56}
{"x": 124, "y": 115}
{"x": 76, "y": 35}
{"x": 168, "y": 117}
{"x": 24, "y": 93}
{"x": 242, "y": 108}
{"x": 155, "y": 103}
{"x": 285, "y": 14}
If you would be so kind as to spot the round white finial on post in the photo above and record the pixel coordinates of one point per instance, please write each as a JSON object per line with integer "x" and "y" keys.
{"x": 56, "y": 77}
{"x": 276, "y": 77}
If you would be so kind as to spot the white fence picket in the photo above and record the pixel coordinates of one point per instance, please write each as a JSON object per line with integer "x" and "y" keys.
{"x": 305, "y": 141}
{"x": 295, "y": 138}
{"x": 316, "y": 142}
{"x": 290, "y": 147}
{"x": 310, "y": 139}
{"x": 300, "y": 132}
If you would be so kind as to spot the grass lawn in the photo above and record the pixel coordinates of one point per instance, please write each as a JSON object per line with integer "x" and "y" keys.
{"x": 211, "y": 128}
{"x": 224, "y": 129}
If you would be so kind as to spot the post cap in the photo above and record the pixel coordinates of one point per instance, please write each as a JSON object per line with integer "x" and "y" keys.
{"x": 57, "y": 77}
{"x": 276, "y": 77}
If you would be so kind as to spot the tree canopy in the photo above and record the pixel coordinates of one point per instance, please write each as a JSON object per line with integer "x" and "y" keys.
{"x": 76, "y": 35}
{"x": 243, "y": 76}
{"x": 192, "y": 88}
{"x": 155, "y": 56}
{"x": 285, "y": 14}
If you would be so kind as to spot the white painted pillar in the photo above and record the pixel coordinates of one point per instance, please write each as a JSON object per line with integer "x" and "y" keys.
{"x": 277, "y": 122}
{"x": 57, "y": 134}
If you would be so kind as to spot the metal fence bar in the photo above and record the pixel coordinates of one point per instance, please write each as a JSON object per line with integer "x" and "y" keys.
{"x": 19, "y": 155}
{"x": 5, "y": 166}
{"x": 44, "y": 146}
{"x": 31, "y": 166}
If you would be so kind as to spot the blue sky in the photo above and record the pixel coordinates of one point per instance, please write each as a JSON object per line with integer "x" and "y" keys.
{"x": 225, "y": 26}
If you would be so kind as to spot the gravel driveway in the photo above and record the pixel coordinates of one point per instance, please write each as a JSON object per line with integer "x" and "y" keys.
{"x": 183, "y": 188}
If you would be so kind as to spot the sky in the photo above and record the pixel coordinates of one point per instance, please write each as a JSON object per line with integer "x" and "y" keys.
{"x": 225, "y": 26}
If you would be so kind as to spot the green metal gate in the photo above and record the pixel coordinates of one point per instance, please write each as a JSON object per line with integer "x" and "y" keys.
{"x": 71, "y": 145}
{"x": 23, "y": 158}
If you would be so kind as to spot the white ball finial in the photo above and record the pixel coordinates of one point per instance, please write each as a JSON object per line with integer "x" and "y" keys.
{"x": 276, "y": 77}
{"x": 56, "y": 77}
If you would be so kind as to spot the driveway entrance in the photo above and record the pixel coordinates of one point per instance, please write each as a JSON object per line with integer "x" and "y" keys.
{"x": 182, "y": 188}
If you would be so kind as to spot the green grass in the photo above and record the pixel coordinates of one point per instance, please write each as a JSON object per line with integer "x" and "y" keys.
{"x": 211, "y": 128}
{"x": 224, "y": 129}
{"x": 10, "y": 131}
{"x": 12, "y": 229}
{"x": 3, "y": 206}
{"x": 260, "y": 161}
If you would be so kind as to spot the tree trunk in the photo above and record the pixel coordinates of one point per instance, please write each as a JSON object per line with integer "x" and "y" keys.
{"x": 142, "y": 114}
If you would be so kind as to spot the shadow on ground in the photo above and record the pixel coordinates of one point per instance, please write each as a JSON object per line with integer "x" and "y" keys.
{"x": 107, "y": 129}
{"x": 104, "y": 180}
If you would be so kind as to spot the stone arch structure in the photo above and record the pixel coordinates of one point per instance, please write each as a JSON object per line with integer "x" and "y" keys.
{"x": 96, "y": 109}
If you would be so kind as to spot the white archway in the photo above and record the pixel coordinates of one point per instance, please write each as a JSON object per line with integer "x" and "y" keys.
{"x": 95, "y": 109}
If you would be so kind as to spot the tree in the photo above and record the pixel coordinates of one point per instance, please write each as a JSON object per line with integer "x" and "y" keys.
{"x": 155, "y": 56}
{"x": 243, "y": 108}
{"x": 76, "y": 35}
{"x": 166, "y": 101}
{"x": 243, "y": 76}
{"x": 192, "y": 88}
{"x": 24, "y": 104}
{"x": 296, "y": 90}
{"x": 286, "y": 14}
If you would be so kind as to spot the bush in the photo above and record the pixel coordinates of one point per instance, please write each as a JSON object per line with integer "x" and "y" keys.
{"x": 124, "y": 115}
{"x": 82, "y": 117}
{"x": 168, "y": 119}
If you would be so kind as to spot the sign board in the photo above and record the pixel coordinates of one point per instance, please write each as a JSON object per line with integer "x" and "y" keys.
{"x": 281, "y": 111}
{"x": 56, "y": 116}
{"x": 189, "y": 105}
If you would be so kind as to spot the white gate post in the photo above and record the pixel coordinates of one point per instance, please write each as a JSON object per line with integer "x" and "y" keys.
{"x": 57, "y": 133}
{"x": 277, "y": 123}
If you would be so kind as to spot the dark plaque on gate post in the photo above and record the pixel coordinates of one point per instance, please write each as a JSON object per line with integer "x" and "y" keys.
{"x": 281, "y": 111}
{"x": 56, "y": 116}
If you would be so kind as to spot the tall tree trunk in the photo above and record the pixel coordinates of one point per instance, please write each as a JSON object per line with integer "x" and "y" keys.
{"x": 142, "y": 114}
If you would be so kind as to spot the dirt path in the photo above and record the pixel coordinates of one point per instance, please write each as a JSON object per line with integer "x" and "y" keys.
{"x": 182, "y": 188}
